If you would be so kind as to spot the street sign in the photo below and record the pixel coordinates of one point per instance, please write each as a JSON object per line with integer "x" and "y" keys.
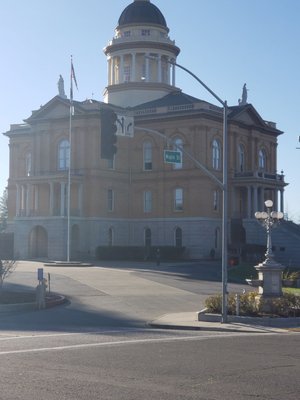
{"x": 172, "y": 156}
{"x": 125, "y": 125}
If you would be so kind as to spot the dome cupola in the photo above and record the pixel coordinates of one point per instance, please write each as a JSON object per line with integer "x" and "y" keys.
{"x": 142, "y": 12}
{"x": 138, "y": 57}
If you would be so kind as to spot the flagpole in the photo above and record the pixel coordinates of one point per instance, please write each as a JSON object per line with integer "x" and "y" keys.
{"x": 69, "y": 171}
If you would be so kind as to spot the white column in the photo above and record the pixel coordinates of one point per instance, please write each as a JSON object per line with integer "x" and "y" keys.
{"x": 248, "y": 201}
{"x": 255, "y": 199}
{"x": 36, "y": 197}
{"x": 133, "y": 69}
{"x": 51, "y": 198}
{"x": 28, "y": 199}
{"x": 173, "y": 75}
{"x": 147, "y": 67}
{"x": 113, "y": 70}
{"x": 22, "y": 199}
{"x": 121, "y": 69}
{"x": 282, "y": 200}
{"x": 276, "y": 199}
{"x": 80, "y": 197}
{"x": 18, "y": 200}
{"x": 159, "y": 74}
{"x": 62, "y": 198}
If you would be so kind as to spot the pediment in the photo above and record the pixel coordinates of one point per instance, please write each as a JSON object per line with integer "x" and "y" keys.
{"x": 56, "y": 108}
{"x": 247, "y": 115}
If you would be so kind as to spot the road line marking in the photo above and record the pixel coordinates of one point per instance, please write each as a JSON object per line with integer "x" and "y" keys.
{"x": 58, "y": 334}
{"x": 122, "y": 342}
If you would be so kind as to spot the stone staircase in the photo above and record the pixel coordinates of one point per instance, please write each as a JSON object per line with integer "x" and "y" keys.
{"x": 285, "y": 240}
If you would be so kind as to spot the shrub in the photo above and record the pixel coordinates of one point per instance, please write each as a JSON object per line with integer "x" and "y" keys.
{"x": 138, "y": 252}
{"x": 285, "y": 306}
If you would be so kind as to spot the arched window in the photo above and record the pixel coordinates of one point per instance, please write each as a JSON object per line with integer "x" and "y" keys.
{"x": 63, "y": 155}
{"x": 147, "y": 156}
{"x": 261, "y": 159}
{"x": 216, "y": 154}
{"x": 28, "y": 164}
{"x": 147, "y": 237}
{"x": 178, "y": 142}
{"x": 241, "y": 158}
{"x": 111, "y": 236}
{"x": 178, "y": 237}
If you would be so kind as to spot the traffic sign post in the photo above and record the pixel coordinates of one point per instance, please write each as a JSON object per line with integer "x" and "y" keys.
{"x": 172, "y": 156}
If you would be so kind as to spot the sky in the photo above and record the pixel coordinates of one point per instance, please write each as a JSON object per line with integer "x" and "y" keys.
{"x": 226, "y": 43}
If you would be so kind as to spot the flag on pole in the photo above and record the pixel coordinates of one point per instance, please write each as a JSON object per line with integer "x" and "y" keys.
{"x": 73, "y": 78}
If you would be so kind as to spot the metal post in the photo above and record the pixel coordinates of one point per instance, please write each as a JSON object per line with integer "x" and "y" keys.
{"x": 223, "y": 185}
{"x": 224, "y": 220}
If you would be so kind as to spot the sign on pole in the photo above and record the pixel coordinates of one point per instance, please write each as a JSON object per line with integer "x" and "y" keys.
{"x": 125, "y": 125}
{"x": 172, "y": 156}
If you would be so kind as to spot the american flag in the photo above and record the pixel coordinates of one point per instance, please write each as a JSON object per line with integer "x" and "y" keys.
{"x": 73, "y": 78}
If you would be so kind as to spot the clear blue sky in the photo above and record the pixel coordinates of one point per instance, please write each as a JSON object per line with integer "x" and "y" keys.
{"x": 225, "y": 42}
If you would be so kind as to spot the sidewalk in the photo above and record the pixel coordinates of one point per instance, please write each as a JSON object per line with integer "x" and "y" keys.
{"x": 189, "y": 321}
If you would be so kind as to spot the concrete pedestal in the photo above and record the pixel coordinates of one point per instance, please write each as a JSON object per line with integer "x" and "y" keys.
{"x": 270, "y": 273}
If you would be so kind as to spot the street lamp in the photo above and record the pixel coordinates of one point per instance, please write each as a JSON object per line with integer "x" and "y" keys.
{"x": 268, "y": 220}
{"x": 269, "y": 271}
{"x": 224, "y": 187}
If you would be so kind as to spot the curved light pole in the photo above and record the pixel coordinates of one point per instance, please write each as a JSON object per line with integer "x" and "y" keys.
{"x": 224, "y": 187}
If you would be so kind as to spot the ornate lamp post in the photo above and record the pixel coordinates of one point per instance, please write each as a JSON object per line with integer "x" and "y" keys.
{"x": 269, "y": 271}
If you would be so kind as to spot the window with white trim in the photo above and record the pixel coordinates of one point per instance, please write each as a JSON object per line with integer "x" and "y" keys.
{"x": 28, "y": 164}
{"x": 262, "y": 159}
{"x": 178, "y": 199}
{"x": 147, "y": 156}
{"x": 216, "y": 155}
{"x": 110, "y": 200}
{"x": 63, "y": 155}
{"x": 241, "y": 158}
{"x": 147, "y": 201}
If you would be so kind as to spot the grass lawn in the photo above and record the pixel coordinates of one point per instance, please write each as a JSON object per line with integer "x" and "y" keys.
{"x": 243, "y": 271}
{"x": 292, "y": 290}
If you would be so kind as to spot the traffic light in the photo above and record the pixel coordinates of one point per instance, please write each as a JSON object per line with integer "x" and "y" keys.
{"x": 108, "y": 133}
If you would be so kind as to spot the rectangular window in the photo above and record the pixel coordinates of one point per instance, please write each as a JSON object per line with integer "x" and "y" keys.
{"x": 216, "y": 200}
{"x": 147, "y": 150}
{"x": 110, "y": 200}
{"x": 178, "y": 199}
{"x": 127, "y": 73}
{"x": 127, "y": 34}
{"x": 145, "y": 32}
{"x": 147, "y": 201}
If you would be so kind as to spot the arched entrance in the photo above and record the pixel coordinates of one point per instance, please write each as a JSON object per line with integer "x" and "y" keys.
{"x": 38, "y": 242}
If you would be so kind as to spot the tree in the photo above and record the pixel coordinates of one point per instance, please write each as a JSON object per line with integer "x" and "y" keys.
{"x": 3, "y": 211}
{"x": 7, "y": 267}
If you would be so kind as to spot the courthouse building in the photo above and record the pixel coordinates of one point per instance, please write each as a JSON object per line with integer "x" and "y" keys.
{"x": 137, "y": 199}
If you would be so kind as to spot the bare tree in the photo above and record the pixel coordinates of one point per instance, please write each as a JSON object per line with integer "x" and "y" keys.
{"x": 7, "y": 267}
{"x": 3, "y": 211}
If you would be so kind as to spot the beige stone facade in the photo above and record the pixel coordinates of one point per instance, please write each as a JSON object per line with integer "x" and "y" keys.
{"x": 137, "y": 199}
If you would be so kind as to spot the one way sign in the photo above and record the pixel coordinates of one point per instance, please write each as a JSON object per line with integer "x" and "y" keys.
{"x": 125, "y": 125}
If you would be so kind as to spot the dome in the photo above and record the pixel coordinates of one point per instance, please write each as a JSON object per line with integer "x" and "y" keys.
{"x": 142, "y": 12}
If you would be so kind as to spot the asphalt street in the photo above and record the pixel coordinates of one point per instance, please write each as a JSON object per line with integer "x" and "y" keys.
{"x": 99, "y": 346}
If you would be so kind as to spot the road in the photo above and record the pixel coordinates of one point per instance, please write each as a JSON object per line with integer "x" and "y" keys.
{"x": 98, "y": 346}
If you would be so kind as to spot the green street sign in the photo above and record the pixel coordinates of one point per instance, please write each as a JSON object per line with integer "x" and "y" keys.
{"x": 172, "y": 156}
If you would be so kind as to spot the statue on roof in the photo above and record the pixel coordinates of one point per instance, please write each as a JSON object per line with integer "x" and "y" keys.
{"x": 61, "y": 87}
{"x": 243, "y": 101}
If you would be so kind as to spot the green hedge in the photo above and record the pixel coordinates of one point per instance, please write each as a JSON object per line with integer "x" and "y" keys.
{"x": 139, "y": 253}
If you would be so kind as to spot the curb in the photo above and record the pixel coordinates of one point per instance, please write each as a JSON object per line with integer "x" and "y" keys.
{"x": 51, "y": 301}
